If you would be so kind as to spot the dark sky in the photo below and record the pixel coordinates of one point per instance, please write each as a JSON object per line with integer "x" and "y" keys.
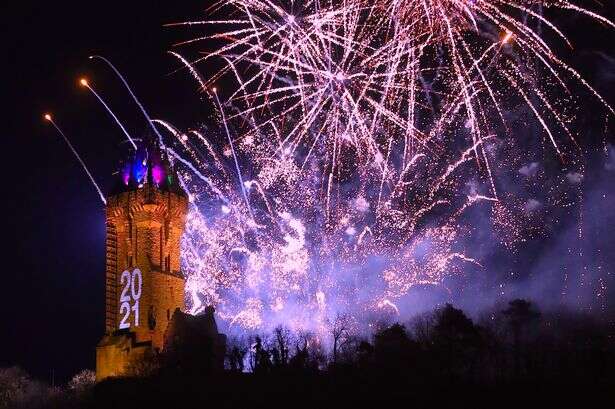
{"x": 52, "y": 293}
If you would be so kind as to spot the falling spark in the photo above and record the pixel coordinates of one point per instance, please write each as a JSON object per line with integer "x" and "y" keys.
{"x": 134, "y": 97}
{"x": 86, "y": 84}
{"x": 49, "y": 119}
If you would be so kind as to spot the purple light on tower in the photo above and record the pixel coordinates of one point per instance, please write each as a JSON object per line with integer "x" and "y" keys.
{"x": 126, "y": 174}
{"x": 158, "y": 174}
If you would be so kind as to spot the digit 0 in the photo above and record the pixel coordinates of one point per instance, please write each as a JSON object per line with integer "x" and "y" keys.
{"x": 136, "y": 284}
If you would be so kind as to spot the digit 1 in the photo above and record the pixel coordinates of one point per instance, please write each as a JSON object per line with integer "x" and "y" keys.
{"x": 135, "y": 308}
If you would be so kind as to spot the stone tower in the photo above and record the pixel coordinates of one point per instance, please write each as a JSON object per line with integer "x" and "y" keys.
{"x": 145, "y": 217}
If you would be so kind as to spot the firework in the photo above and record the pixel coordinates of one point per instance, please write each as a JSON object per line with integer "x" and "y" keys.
{"x": 361, "y": 134}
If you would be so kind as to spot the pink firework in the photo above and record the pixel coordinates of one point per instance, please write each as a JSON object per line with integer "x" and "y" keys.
{"x": 368, "y": 130}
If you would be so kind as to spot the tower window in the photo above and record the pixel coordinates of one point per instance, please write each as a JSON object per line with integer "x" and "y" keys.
{"x": 151, "y": 318}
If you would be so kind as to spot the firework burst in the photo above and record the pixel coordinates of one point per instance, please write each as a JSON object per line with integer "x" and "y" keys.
{"x": 361, "y": 134}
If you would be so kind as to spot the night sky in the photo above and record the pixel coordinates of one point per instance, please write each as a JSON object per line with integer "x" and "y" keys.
{"x": 52, "y": 290}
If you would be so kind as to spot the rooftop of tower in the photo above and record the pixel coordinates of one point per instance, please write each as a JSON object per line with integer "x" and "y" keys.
{"x": 148, "y": 165}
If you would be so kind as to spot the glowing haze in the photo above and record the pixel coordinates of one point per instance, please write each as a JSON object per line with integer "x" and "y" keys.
{"x": 355, "y": 136}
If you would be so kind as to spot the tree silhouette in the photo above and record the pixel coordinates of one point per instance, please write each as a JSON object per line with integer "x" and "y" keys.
{"x": 456, "y": 340}
{"x": 261, "y": 358}
{"x": 393, "y": 348}
{"x": 340, "y": 331}
{"x": 520, "y": 314}
{"x": 280, "y": 350}
{"x": 236, "y": 353}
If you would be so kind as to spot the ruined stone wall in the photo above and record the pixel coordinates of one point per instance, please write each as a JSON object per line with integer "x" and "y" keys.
{"x": 116, "y": 353}
{"x": 168, "y": 293}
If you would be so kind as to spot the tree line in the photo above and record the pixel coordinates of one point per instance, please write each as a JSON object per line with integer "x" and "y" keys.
{"x": 510, "y": 344}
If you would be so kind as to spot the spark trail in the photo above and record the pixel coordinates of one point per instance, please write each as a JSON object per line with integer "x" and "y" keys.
{"x": 49, "y": 119}
{"x": 86, "y": 84}
{"x": 134, "y": 97}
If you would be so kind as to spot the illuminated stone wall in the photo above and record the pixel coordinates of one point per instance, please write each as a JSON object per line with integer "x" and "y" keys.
{"x": 116, "y": 354}
{"x": 144, "y": 228}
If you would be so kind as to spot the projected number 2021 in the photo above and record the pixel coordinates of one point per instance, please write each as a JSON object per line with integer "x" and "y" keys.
{"x": 131, "y": 284}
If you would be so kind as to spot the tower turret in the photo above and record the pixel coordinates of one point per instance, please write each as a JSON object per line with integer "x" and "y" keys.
{"x": 145, "y": 217}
